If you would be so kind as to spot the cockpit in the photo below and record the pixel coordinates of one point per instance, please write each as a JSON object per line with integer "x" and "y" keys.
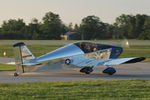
{"x": 88, "y": 47}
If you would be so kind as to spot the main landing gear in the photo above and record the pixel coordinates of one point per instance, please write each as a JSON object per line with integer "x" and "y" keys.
{"x": 109, "y": 70}
{"x": 87, "y": 70}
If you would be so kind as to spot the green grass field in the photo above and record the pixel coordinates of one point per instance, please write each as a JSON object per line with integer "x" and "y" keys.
{"x": 4, "y": 67}
{"x": 77, "y": 90}
{"x": 38, "y": 50}
{"x": 130, "y": 40}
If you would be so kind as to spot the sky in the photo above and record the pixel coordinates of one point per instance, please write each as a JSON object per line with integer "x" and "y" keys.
{"x": 71, "y": 10}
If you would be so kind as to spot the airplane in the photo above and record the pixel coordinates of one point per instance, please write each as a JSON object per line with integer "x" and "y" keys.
{"x": 82, "y": 54}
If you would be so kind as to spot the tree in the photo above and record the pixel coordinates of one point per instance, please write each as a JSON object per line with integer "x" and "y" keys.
{"x": 92, "y": 28}
{"x": 1, "y": 35}
{"x": 125, "y": 25}
{"x": 13, "y": 29}
{"x": 33, "y": 30}
{"x": 70, "y": 29}
{"x": 130, "y": 26}
{"x": 76, "y": 28}
{"x": 109, "y": 31}
{"x": 52, "y": 26}
{"x": 146, "y": 30}
{"x": 140, "y": 20}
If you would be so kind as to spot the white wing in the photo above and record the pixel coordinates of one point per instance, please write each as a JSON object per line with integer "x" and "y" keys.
{"x": 93, "y": 62}
{"x": 123, "y": 61}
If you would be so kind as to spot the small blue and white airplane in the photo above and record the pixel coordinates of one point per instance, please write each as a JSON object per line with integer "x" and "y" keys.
{"x": 84, "y": 55}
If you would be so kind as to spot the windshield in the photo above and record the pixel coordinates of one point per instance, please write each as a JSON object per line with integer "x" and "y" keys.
{"x": 88, "y": 47}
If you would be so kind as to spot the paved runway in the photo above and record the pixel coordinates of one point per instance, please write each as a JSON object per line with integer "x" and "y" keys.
{"x": 131, "y": 71}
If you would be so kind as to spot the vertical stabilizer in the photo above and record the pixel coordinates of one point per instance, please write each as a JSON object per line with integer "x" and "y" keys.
{"x": 22, "y": 54}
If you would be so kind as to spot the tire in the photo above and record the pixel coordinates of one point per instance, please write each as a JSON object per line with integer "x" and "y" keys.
{"x": 16, "y": 74}
{"x": 87, "y": 72}
{"x": 109, "y": 71}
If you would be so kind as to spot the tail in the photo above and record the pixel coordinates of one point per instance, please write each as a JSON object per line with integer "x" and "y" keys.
{"x": 22, "y": 54}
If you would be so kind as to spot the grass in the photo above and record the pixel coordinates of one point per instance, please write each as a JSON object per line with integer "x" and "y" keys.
{"x": 8, "y": 49}
{"x": 119, "y": 40}
{"x": 4, "y": 67}
{"x": 39, "y": 49}
{"x": 77, "y": 90}
{"x": 136, "y": 51}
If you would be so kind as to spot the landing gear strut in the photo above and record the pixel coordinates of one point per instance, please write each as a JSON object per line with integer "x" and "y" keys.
{"x": 87, "y": 70}
{"x": 109, "y": 70}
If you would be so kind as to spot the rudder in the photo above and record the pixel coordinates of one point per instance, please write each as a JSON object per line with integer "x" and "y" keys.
{"x": 22, "y": 54}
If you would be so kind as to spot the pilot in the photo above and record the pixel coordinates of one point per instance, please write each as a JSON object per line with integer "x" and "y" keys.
{"x": 94, "y": 50}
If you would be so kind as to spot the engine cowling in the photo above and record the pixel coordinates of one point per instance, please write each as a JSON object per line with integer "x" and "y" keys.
{"x": 109, "y": 70}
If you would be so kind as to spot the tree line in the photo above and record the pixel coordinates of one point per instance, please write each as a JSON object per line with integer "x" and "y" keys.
{"x": 91, "y": 28}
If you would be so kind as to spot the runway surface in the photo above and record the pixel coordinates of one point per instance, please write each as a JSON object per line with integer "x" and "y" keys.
{"x": 131, "y": 71}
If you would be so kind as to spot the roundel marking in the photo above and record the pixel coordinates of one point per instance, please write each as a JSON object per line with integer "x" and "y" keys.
{"x": 67, "y": 61}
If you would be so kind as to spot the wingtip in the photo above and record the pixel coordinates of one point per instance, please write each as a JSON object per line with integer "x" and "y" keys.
{"x": 139, "y": 59}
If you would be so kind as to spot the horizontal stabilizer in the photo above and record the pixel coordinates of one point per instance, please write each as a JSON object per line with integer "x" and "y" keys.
{"x": 11, "y": 63}
{"x": 32, "y": 64}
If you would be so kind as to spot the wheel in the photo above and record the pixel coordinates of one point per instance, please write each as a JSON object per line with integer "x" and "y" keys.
{"x": 16, "y": 74}
{"x": 87, "y": 72}
{"x": 109, "y": 71}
